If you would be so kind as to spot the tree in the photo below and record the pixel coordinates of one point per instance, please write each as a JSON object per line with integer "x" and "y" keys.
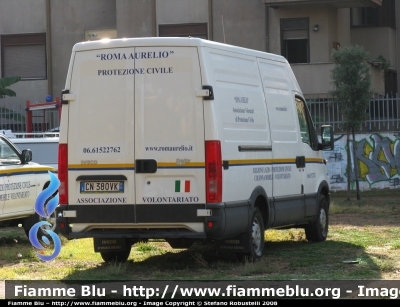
{"x": 4, "y": 82}
{"x": 352, "y": 90}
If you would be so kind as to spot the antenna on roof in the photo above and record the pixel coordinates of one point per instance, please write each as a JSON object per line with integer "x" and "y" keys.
{"x": 223, "y": 29}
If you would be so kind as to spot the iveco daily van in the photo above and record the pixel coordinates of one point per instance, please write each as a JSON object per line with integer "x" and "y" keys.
{"x": 185, "y": 139}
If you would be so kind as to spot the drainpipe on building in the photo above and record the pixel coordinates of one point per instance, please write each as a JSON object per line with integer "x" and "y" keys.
{"x": 397, "y": 16}
{"x": 48, "y": 50}
{"x": 154, "y": 17}
{"x": 266, "y": 28}
{"x": 210, "y": 20}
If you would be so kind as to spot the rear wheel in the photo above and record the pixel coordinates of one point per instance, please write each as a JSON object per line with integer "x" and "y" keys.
{"x": 29, "y": 221}
{"x": 180, "y": 243}
{"x": 36, "y": 218}
{"x": 317, "y": 231}
{"x": 255, "y": 238}
{"x": 120, "y": 256}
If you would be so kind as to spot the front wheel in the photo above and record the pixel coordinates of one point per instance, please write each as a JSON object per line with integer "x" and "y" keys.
{"x": 317, "y": 231}
{"x": 120, "y": 256}
{"x": 255, "y": 238}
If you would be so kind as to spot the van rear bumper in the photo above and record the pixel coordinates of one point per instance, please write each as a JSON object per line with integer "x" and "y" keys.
{"x": 226, "y": 220}
{"x": 138, "y": 235}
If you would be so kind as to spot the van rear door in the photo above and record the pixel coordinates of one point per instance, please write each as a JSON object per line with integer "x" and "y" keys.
{"x": 101, "y": 137}
{"x": 169, "y": 137}
{"x": 138, "y": 131}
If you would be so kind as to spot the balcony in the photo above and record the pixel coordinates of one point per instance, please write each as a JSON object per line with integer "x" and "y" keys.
{"x": 335, "y": 3}
{"x": 315, "y": 79}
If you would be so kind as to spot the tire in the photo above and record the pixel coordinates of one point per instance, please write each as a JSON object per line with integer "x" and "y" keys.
{"x": 180, "y": 243}
{"x": 317, "y": 231}
{"x": 121, "y": 256}
{"x": 255, "y": 238}
{"x": 28, "y": 222}
{"x": 36, "y": 218}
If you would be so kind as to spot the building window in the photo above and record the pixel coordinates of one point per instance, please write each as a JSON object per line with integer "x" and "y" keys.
{"x": 24, "y": 55}
{"x": 364, "y": 16}
{"x": 382, "y": 16}
{"x": 183, "y": 30}
{"x": 391, "y": 82}
{"x": 294, "y": 38}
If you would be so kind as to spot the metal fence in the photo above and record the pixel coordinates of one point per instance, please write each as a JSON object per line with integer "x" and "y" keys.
{"x": 14, "y": 118}
{"x": 383, "y": 114}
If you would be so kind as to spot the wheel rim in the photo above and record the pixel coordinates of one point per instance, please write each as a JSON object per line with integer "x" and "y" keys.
{"x": 256, "y": 236}
{"x": 322, "y": 221}
{"x": 52, "y": 220}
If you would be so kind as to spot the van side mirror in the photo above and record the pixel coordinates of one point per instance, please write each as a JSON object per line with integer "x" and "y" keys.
{"x": 327, "y": 138}
{"x": 26, "y": 156}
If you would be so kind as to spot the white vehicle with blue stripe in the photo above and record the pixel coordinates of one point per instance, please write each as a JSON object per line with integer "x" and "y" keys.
{"x": 185, "y": 139}
{"x": 21, "y": 181}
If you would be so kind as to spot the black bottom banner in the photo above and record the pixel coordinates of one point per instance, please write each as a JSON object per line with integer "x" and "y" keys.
{"x": 194, "y": 293}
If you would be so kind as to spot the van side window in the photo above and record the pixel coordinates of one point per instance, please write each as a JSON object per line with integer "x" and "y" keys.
{"x": 306, "y": 127}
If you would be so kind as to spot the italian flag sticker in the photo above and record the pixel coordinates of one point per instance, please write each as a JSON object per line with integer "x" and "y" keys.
{"x": 182, "y": 186}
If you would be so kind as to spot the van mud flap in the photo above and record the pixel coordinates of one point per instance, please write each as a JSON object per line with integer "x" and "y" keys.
{"x": 110, "y": 244}
{"x": 238, "y": 244}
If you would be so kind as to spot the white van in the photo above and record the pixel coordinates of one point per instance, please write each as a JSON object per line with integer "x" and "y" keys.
{"x": 185, "y": 139}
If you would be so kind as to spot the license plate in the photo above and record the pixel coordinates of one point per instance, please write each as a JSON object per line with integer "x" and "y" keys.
{"x": 102, "y": 187}
{"x": 109, "y": 245}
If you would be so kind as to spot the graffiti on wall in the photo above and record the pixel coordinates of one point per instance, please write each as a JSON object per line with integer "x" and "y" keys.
{"x": 377, "y": 157}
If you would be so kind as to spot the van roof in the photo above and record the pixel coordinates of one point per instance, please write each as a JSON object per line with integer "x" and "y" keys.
{"x": 170, "y": 41}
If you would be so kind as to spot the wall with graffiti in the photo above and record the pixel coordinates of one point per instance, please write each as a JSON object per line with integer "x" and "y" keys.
{"x": 378, "y": 158}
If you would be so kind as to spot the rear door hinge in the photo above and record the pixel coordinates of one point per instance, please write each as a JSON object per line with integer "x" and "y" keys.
{"x": 206, "y": 92}
{"x": 66, "y": 96}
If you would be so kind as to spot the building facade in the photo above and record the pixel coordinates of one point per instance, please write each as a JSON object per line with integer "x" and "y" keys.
{"x": 37, "y": 37}
{"x": 305, "y": 32}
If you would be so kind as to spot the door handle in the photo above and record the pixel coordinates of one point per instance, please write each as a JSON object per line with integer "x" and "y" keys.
{"x": 146, "y": 166}
{"x": 301, "y": 161}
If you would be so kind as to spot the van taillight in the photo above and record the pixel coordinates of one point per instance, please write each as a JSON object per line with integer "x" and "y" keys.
{"x": 63, "y": 173}
{"x": 213, "y": 172}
